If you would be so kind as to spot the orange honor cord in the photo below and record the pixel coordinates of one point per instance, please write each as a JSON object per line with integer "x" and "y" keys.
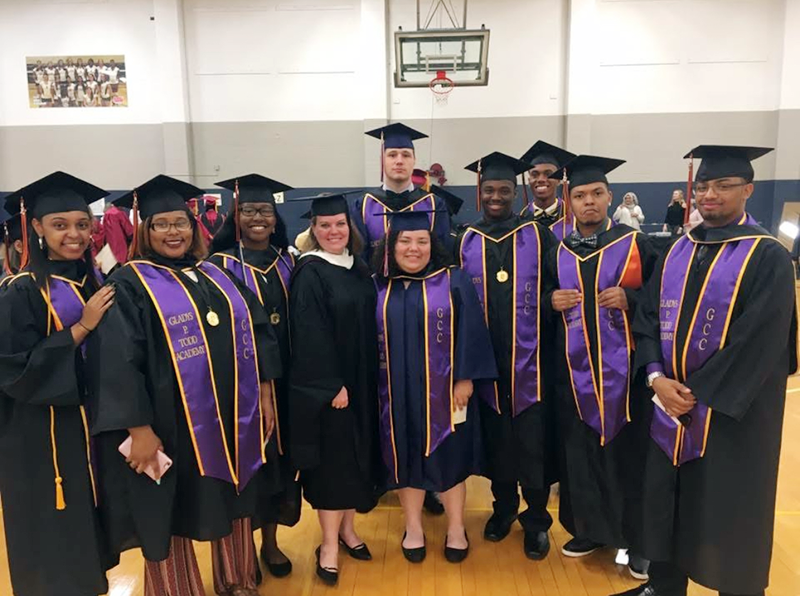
{"x": 688, "y": 211}
{"x": 236, "y": 211}
{"x": 23, "y": 218}
{"x": 135, "y": 242}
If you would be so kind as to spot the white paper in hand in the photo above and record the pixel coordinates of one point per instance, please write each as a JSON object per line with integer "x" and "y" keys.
{"x": 660, "y": 405}
{"x": 459, "y": 415}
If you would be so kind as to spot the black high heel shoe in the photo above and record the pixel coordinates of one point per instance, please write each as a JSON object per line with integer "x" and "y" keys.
{"x": 414, "y": 555}
{"x": 328, "y": 575}
{"x": 360, "y": 552}
{"x": 455, "y": 555}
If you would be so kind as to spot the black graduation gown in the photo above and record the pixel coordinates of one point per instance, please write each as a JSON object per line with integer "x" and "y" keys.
{"x": 519, "y": 449}
{"x": 133, "y": 383}
{"x": 600, "y": 489}
{"x": 459, "y": 455}
{"x": 49, "y": 551}
{"x": 284, "y": 508}
{"x": 714, "y": 516}
{"x": 397, "y": 202}
{"x": 334, "y": 345}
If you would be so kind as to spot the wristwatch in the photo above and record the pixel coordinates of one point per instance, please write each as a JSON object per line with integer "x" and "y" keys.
{"x": 653, "y": 376}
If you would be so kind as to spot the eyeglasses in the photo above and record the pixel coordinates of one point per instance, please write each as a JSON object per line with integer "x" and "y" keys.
{"x": 701, "y": 189}
{"x": 163, "y": 226}
{"x": 252, "y": 211}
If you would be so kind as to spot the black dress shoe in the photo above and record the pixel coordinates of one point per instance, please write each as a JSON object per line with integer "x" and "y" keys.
{"x": 647, "y": 589}
{"x": 276, "y": 569}
{"x": 498, "y": 527}
{"x": 328, "y": 575}
{"x": 579, "y": 547}
{"x": 432, "y": 504}
{"x": 455, "y": 555}
{"x": 360, "y": 552}
{"x": 414, "y": 555}
{"x": 536, "y": 545}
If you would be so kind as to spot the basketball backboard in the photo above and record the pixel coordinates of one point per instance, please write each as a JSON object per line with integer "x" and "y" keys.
{"x": 461, "y": 53}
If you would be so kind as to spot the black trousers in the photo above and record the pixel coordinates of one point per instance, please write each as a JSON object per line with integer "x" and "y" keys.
{"x": 535, "y": 518}
{"x": 668, "y": 580}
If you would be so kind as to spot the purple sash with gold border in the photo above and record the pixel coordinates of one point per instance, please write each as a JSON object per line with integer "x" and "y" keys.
{"x": 247, "y": 274}
{"x": 194, "y": 371}
{"x": 372, "y": 208}
{"x": 563, "y": 227}
{"x": 439, "y": 348}
{"x": 711, "y": 317}
{"x": 526, "y": 281}
{"x": 601, "y": 396}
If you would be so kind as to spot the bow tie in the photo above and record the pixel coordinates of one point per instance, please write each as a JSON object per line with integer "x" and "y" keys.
{"x": 576, "y": 240}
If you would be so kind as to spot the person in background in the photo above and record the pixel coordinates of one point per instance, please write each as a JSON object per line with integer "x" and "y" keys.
{"x": 118, "y": 231}
{"x": 629, "y": 213}
{"x": 211, "y": 218}
{"x": 12, "y": 242}
{"x": 430, "y": 428}
{"x": 676, "y": 212}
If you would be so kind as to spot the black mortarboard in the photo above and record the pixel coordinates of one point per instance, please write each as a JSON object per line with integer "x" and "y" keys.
{"x": 409, "y": 221}
{"x": 326, "y": 203}
{"x": 726, "y": 161}
{"x": 160, "y": 195}
{"x": 588, "y": 169}
{"x": 55, "y": 193}
{"x": 397, "y": 136}
{"x": 452, "y": 201}
{"x": 498, "y": 166}
{"x": 255, "y": 188}
{"x": 542, "y": 152}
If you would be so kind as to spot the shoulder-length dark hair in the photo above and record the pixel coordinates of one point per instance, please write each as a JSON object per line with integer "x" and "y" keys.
{"x": 39, "y": 264}
{"x": 440, "y": 257}
{"x": 355, "y": 243}
{"x": 225, "y": 237}
{"x": 198, "y": 248}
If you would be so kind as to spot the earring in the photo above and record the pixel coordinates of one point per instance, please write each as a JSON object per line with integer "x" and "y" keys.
{"x": 41, "y": 242}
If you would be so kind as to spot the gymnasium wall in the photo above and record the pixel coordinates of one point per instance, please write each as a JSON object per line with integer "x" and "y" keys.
{"x": 287, "y": 87}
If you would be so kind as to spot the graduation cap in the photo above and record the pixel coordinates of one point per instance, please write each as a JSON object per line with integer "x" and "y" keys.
{"x": 541, "y": 152}
{"x": 496, "y": 166}
{"x": 55, "y": 193}
{"x": 326, "y": 203}
{"x": 453, "y": 202}
{"x": 726, "y": 161}
{"x": 395, "y": 136}
{"x": 254, "y": 188}
{"x": 161, "y": 194}
{"x": 587, "y": 169}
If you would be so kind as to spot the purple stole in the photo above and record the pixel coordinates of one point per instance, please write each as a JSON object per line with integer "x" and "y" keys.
{"x": 248, "y": 275}
{"x": 601, "y": 396}
{"x": 65, "y": 307}
{"x": 711, "y": 317}
{"x": 563, "y": 227}
{"x": 439, "y": 348}
{"x": 526, "y": 282}
{"x": 194, "y": 372}
{"x": 372, "y": 208}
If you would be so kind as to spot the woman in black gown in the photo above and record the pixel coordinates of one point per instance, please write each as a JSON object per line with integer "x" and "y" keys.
{"x": 333, "y": 399}
{"x": 54, "y": 538}
{"x": 261, "y": 261}
{"x": 433, "y": 342}
{"x": 183, "y": 364}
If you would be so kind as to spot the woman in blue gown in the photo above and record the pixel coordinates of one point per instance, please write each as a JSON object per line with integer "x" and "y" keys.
{"x": 433, "y": 343}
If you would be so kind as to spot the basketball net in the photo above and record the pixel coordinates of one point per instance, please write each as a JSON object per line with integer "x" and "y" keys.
{"x": 441, "y": 87}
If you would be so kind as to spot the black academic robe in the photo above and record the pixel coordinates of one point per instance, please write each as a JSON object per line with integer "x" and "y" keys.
{"x": 133, "y": 383}
{"x": 541, "y": 216}
{"x": 285, "y": 507}
{"x": 460, "y": 454}
{"x": 397, "y": 202}
{"x": 714, "y": 516}
{"x": 600, "y": 488}
{"x": 334, "y": 345}
{"x": 49, "y": 551}
{"x": 518, "y": 448}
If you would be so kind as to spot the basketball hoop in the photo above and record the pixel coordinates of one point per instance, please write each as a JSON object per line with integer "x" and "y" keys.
{"x": 442, "y": 87}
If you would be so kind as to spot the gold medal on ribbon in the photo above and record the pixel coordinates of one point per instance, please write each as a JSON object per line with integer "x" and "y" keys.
{"x": 212, "y": 318}
{"x": 502, "y": 276}
{"x": 275, "y": 318}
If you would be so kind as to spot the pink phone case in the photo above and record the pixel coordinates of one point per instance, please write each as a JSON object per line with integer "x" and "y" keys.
{"x": 164, "y": 463}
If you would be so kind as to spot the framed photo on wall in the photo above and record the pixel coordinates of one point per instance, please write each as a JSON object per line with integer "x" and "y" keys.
{"x": 77, "y": 81}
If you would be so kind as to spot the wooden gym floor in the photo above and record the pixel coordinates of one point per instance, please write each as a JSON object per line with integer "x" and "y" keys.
{"x": 491, "y": 569}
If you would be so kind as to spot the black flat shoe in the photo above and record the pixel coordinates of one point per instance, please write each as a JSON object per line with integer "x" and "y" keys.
{"x": 276, "y": 569}
{"x": 432, "y": 504}
{"x": 647, "y": 589}
{"x": 498, "y": 527}
{"x": 360, "y": 552}
{"x": 414, "y": 555}
{"x": 455, "y": 555}
{"x": 536, "y": 545}
{"x": 328, "y": 575}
